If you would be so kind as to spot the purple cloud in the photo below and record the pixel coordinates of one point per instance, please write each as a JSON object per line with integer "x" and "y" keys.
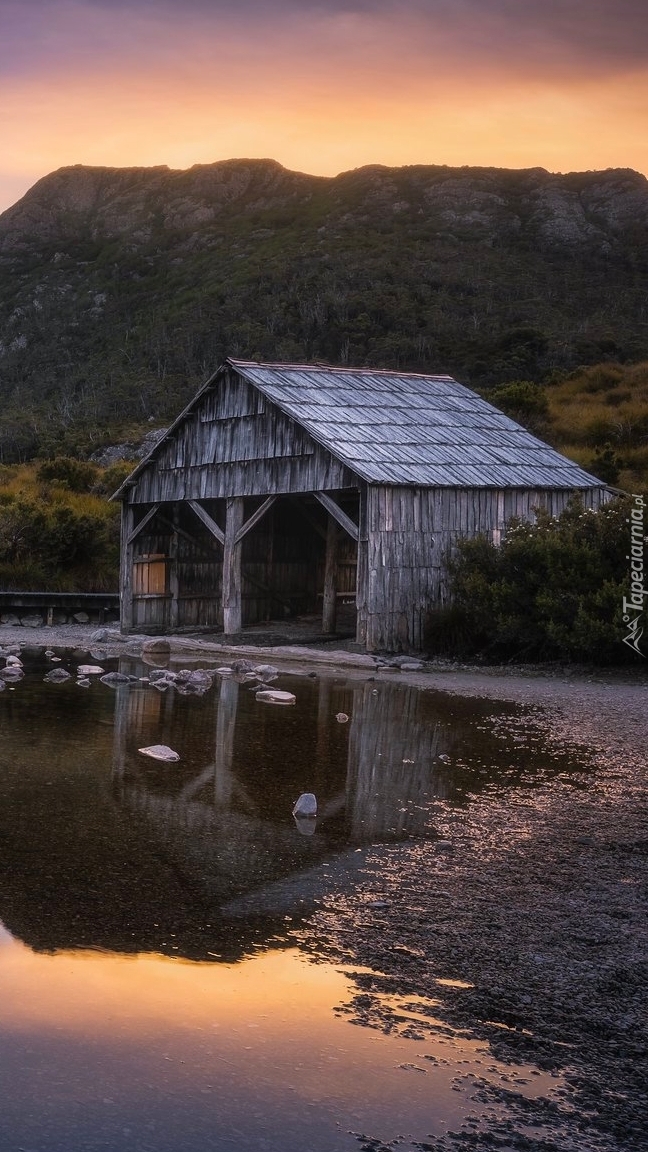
{"x": 547, "y": 37}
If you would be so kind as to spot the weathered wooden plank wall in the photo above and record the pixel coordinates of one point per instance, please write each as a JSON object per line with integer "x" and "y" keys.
{"x": 236, "y": 443}
{"x": 411, "y": 531}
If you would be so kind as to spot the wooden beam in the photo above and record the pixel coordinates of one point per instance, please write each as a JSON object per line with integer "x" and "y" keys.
{"x": 254, "y": 518}
{"x": 186, "y": 535}
{"x": 142, "y": 524}
{"x": 173, "y": 571}
{"x": 126, "y": 569}
{"x": 329, "y": 606}
{"x": 232, "y": 611}
{"x": 343, "y": 520}
{"x": 207, "y": 520}
{"x": 224, "y": 757}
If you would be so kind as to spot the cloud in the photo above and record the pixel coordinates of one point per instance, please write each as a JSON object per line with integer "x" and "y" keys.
{"x": 551, "y": 37}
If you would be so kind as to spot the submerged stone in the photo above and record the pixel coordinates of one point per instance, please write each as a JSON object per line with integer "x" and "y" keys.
{"x": 115, "y": 678}
{"x": 274, "y": 696}
{"x": 57, "y": 676}
{"x": 160, "y": 752}
{"x": 306, "y": 825}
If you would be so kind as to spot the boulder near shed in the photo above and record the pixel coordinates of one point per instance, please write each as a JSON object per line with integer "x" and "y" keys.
{"x": 285, "y": 489}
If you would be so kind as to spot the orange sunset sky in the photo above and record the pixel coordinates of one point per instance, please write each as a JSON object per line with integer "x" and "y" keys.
{"x": 321, "y": 87}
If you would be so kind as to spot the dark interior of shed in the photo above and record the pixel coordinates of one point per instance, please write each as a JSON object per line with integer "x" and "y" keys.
{"x": 178, "y": 565}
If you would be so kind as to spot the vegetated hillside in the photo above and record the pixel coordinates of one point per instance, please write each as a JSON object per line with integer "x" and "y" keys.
{"x": 57, "y": 529}
{"x": 596, "y": 415}
{"x": 122, "y": 289}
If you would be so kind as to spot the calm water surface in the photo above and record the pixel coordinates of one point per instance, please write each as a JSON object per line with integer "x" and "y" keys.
{"x": 153, "y": 996}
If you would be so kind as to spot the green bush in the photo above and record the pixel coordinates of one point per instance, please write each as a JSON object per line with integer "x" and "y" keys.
{"x": 113, "y": 477}
{"x": 553, "y": 590}
{"x": 77, "y": 475}
{"x": 51, "y": 546}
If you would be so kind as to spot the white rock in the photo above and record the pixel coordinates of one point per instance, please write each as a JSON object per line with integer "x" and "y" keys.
{"x": 160, "y": 752}
{"x": 306, "y": 805}
{"x": 274, "y": 696}
{"x": 342, "y": 718}
{"x": 89, "y": 670}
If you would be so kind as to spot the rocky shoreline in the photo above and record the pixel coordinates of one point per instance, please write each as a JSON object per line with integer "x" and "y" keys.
{"x": 533, "y": 905}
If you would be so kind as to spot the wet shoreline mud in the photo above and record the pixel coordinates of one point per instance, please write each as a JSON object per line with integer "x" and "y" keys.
{"x": 522, "y": 925}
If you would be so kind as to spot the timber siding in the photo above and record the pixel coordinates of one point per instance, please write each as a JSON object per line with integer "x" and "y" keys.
{"x": 238, "y": 444}
{"x": 410, "y": 534}
{"x": 284, "y": 490}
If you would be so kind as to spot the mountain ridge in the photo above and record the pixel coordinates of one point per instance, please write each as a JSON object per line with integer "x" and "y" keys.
{"x": 122, "y": 288}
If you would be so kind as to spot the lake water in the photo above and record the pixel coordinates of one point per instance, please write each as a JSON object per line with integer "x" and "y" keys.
{"x": 154, "y": 996}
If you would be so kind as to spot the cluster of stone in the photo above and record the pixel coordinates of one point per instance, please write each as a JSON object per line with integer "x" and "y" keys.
{"x": 40, "y": 619}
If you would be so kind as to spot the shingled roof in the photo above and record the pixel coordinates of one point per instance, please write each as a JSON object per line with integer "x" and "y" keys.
{"x": 402, "y": 428}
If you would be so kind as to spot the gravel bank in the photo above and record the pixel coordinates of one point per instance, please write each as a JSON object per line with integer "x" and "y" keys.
{"x": 538, "y": 903}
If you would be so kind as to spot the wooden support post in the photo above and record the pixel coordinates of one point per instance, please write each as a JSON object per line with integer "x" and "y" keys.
{"x": 173, "y": 570}
{"x": 232, "y": 611}
{"x": 126, "y": 568}
{"x": 225, "y": 726}
{"x": 329, "y": 608}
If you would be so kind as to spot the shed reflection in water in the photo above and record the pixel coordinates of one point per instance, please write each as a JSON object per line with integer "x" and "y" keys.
{"x": 103, "y": 847}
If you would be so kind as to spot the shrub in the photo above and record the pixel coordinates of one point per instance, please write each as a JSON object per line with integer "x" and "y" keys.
{"x": 111, "y": 478}
{"x": 77, "y": 475}
{"x": 524, "y": 402}
{"x": 552, "y": 590}
{"x": 58, "y": 545}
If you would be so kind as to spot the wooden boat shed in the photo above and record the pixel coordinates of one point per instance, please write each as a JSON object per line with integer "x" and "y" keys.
{"x": 288, "y": 489}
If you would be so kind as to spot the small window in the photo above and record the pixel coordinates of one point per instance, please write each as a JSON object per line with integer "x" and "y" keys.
{"x": 149, "y": 575}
